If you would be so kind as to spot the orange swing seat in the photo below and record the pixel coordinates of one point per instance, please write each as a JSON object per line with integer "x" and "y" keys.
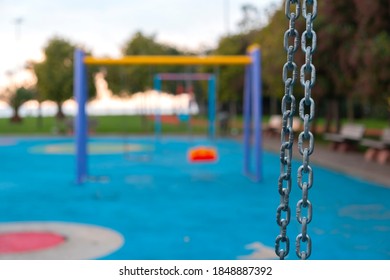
{"x": 202, "y": 154}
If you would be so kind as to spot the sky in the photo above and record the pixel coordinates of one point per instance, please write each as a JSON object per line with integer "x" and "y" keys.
{"x": 103, "y": 26}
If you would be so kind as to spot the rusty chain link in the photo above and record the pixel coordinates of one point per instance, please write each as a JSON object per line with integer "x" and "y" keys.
{"x": 306, "y": 113}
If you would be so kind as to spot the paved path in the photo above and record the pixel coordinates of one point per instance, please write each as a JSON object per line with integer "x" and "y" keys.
{"x": 351, "y": 163}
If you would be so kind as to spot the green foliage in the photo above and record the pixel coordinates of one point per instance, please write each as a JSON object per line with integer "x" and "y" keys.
{"x": 16, "y": 99}
{"x": 231, "y": 78}
{"x": 379, "y": 66}
{"x": 250, "y": 18}
{"x": 352, "y": 60}
{"x": 20, "y": 96}
{"x": 139, "y": 78}
{"x": 55, "y": 73}
{"x": 270, "y": 39}
{"x": 353, "y": 55}
{"x": 141, "y": 44}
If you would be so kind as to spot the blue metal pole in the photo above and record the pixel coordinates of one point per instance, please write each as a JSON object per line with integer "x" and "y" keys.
{"x": 257, "y": 110}
{"x": 157, "y": 116}
{"x": 247, "y": 121}
{"x": 80, "y": 123}
{"x": 212, "y": 106}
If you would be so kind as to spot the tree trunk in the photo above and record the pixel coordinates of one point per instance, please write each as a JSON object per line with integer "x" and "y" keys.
{"x": 231, "y": 118}
{"x": 16, "y": 118}
{"x": 144, "y": 122}
{"x": 328, "y": 116}
{"x": 350, "y": 110}
{"x": 60, "y": 114}
{"x": 388, "y": 110}
{"x": 332, "y": 115}
{"x": 273, "y": 105}
{"x": 39, "y": 117}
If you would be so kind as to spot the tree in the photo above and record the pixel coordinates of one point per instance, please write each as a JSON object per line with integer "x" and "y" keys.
{"x": 353, "y": 56}
{"x": 270, "y": 38}
{"x": 231, "y": 78}
{"x": 16, "y": 99}
{"x": 250, "y": 18}
{"x": 371, "y": 56}
{"x": 55, "y": 73}
{"x": 380, "y": 69}
{"x": 138, "y": 78}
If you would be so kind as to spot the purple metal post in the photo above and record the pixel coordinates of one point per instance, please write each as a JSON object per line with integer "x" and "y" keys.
{"x": 247, "y": 120}
{"x": 257, "y": 110}
{"x": 253, "y": 116}
{"x": 80, "y": 123}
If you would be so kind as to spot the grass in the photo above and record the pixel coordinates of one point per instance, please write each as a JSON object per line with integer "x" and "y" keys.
{"x": 132, "y": 125}
{"x": 104, "y": 125}
{"x": 29, "y": 125}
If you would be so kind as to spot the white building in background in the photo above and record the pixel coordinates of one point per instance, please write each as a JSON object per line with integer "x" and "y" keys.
{"x": 5, "y": 110}
{"x": 32, "y": 108}
{"x": 106, "y": 103}
{"x": 141, "y": 103}
{"x": 29, "y": 109}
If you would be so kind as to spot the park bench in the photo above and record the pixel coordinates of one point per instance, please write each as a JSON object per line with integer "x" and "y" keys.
{"x": 224, "y": 122}
{"x": 348, "y": 138}
{"x": 92, "y": 124}
{"x": 378, "y": 149}
{"x": 274, "y": 125}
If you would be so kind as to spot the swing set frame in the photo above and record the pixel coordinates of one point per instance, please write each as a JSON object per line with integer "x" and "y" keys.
{"x": 212, "y": 100}
{"x": 252, "y": 106}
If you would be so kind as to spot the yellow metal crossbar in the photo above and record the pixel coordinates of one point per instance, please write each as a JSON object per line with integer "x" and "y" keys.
{"x": 171, "y": 60}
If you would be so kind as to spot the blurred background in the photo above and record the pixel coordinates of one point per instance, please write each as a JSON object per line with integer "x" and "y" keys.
{"x": 352, "y": 57}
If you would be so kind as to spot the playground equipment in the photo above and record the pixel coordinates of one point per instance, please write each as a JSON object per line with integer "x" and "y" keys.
{"x": 202, "y": 154}
{"x": 210, "y": 78}
{"x": 252, "y": 96}
{"x": 304, "y": 172}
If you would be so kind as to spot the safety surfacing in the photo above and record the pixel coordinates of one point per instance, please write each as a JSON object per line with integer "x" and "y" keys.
{"x": 145, "y": 200}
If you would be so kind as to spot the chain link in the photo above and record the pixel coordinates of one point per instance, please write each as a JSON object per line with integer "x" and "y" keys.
{"x": 287, "y": 132}
{"x": 306, "y": 113}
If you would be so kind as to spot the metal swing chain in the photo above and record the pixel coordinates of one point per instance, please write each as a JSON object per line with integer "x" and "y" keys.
{"x": 287, "y": 133}
{"x": 306, "y": 103}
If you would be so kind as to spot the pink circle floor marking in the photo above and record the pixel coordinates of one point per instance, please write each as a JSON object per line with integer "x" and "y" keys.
{"x": 18, "y": 242}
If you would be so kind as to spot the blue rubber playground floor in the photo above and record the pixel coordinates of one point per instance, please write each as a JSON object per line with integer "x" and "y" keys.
{"x": 165, "y": 207}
